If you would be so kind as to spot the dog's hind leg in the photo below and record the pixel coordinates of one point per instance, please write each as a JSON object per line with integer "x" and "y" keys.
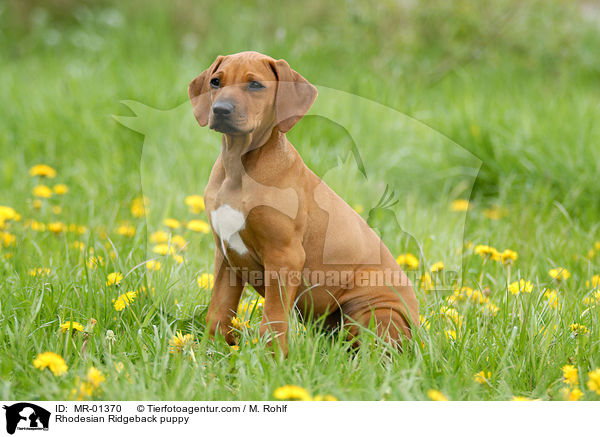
{"x": 386, "y": 319}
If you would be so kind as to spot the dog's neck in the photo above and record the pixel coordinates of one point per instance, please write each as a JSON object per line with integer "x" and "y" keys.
{"x": 235, "y": 147}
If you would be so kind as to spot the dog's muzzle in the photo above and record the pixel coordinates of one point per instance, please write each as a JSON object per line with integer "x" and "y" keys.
{"x": 222, "y": 117}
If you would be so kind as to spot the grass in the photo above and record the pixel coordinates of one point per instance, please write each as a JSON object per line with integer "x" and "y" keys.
{"x": 513, "y": 87}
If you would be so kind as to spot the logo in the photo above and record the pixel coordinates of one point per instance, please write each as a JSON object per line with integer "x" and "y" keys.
{"x": 25, "y": 416}
{"x": 405, "y": 164}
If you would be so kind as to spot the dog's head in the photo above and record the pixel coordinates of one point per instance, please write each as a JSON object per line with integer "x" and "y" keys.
{"x": 247, "y": 92}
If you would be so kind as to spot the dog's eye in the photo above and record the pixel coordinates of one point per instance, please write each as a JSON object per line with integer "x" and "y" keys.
{"x": 215, "y": 82}
{"x": 254, "y": 85}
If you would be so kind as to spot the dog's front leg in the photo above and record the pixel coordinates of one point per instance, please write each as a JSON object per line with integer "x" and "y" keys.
{"x": 227, "y": 291}
{"x": 283, "y": 275}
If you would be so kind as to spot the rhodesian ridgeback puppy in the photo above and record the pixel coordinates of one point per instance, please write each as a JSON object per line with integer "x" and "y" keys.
{"x": 278, "y": 226}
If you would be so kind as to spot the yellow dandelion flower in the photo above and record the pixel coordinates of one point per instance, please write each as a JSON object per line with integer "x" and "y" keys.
{"x": 481, "y": 377}
{"x": 159, "y": 237}
{"x": 60, "y": 189}
{"x": 487, "y": 252}
{"x": 291, "y": 393}
{"x": 509, "y": 256}
{"x": 593, "y": 299}
{"x": 126, "y": 230}
{"x": 94, "y": 261}
{"x": 79, "y": 229}
{"x": 34, "y": 225}
{"x": 426, "y": 282}
{"x": 595, "y": 282}
{"x": 153, "y": 265}
{"x": 52, "y": 361}
{"x": 460, "y": 205}
{"x": 171, "y": 223}
{"x": 408, "y": 260}
{"x": 123, "y": 301}
{"x": 64, "y": 327}
{"x": 240, "y": 323}
{"x": 40, "y": 271}
{"x": 178, "y": 241}
{"x": 560, "y": 273}
{"x": 195, "y": 202}
{"x": 182, "y": 343}
{"x": 7, "y": 239}
{"x": 245, "y": 308}
{"x": 83, "y": 391}
{"x": 178, "y": 259}
{"x": 139, "y": 207}
{"x": 522, "y": 399}
{"x": 78, "y": 245}
{"x": 450, "y": 334}
{"x": 42, "y": 191}
{"x": 594, "y": 381}
{"x": 7, "y": 213}
{"x": 457, "y": 296}
{"x": 467, "y": 293}
{"x": 436, "y": 395}
{"x": 490, "y": 308}
{"x": 578, "y": 328}
{"x": 57, "y": 227}
{"x": 475, "y": 295}
{"x": 114, "y": 278}
{"x": 552, "y": 298}
{"x": 37, "y": 203}
{"x": 206, "y": 281}
{"x": 425, "y": 323}
{"x": 521, "y": 286}
{"x": 95, "y": 377}
{"x": 570, "y": 374}
{"x": 571, "y": 395}
{"x": 494, "y": 213}
{"x": 198, "y": 226}
{"x": 42, "y": 170}
{"x": 163, "y": 249}
{"x": 437, "y": 267}
{"x": 452, "y": 314}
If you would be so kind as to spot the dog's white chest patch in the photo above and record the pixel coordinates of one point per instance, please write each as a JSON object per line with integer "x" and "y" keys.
{"x": 227, "y": 223}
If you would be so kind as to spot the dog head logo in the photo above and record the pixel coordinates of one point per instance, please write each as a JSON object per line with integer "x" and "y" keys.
{"x": 381, "y": 161}
{"x": 26, "y": 416}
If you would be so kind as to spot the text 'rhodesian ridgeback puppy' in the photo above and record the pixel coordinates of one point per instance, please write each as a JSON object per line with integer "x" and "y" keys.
{"x": 276, "y": 225}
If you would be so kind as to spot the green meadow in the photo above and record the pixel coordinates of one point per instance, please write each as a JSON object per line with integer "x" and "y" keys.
{"x": 481, "y": 120}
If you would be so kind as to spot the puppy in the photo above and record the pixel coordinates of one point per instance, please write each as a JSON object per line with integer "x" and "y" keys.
{"x": 278, "y": 226}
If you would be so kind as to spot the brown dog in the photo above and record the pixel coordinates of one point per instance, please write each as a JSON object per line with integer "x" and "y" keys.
{"x": 276, "y": 225}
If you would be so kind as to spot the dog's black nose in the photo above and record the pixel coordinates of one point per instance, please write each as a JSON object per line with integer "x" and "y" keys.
{"x": 222, "y": 108}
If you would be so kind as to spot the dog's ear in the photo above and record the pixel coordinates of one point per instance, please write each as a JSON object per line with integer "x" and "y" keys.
{"x": 199, "y": 92}
{"x": 295, "y": 95}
